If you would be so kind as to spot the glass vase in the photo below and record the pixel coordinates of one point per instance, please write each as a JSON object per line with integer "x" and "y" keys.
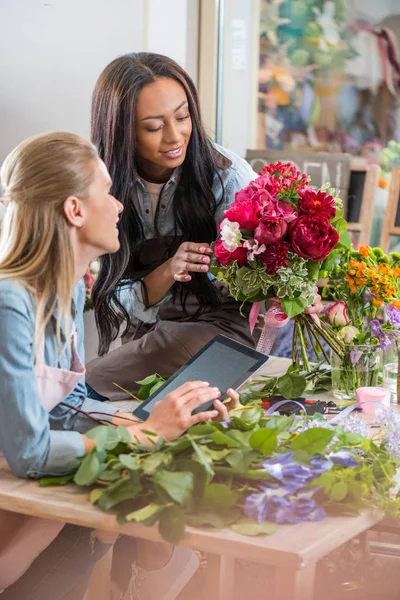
{"x": 390, "y": 366}
{"x": 359, "y": 367}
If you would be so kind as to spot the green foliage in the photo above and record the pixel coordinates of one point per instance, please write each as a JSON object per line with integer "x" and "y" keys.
{"x": 203, "y": 478}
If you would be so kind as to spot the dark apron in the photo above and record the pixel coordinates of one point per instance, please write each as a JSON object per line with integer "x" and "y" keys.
{"x": 163, "y": 347}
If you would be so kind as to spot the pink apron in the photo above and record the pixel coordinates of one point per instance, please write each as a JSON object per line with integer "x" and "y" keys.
{"x": 23, "y": 538}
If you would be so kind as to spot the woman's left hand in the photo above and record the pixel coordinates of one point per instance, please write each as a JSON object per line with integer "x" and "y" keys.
{"x": 317, "y": 306}
{"x": 223, "y": 408}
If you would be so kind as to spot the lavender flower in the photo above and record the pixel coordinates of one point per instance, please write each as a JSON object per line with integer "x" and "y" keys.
{"x": 393, "y": 315}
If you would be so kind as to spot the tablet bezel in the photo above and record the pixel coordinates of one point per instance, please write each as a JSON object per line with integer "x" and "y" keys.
{"x": 143, "y": 415}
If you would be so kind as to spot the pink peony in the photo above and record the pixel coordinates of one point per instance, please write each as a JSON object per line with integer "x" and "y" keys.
{"x": 270, "y": 230}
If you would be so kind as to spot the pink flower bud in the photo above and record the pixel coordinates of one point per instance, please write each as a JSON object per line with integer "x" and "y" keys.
{"x": 337, "y": 314}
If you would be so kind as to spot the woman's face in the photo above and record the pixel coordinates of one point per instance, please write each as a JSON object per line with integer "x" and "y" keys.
{"x": 100, "y": 214}
{"x": 163, "y": 128}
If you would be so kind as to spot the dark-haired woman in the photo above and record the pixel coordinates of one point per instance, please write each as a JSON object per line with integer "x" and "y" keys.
{"x": 175, "y": 185}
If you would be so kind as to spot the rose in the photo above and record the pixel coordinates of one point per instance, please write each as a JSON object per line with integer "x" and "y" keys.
{"x": 337, "y": 314}
{"x": 245, "y": 212}
{"x": 316, "y": 203}
{"x": 275, "y": 257}
{"x": 223, "y": 255}
{"x": 348, "y": 333}
{"x": 270, "y": 230}
{"x": 312, "y": 237}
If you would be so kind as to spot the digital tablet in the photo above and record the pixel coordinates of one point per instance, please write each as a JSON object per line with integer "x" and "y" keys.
{"x": 223, "y": 362}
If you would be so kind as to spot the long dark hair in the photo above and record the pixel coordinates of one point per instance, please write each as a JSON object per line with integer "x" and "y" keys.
{"x": 194, "y": 204}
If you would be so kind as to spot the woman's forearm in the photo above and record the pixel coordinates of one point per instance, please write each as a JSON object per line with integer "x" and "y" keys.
{"x": 157, "y": 283}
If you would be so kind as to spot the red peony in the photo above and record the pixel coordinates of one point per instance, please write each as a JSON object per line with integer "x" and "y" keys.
{"x": 312, "y": 237}
{"x": 275, "y": 256}
{"x": 223, "y": 255}
{"x": 316, "y": 203}
{"x": 270, "y": 230}
{"x": 244, "y": 212}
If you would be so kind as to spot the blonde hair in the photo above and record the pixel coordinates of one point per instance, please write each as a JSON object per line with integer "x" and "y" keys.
{"x": 35, "y": 243}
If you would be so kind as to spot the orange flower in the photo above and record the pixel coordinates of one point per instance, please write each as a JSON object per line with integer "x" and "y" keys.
{"x": 378, "y": 302}
{"x": 396, "y": 303}
{"x": 364, "y": 250}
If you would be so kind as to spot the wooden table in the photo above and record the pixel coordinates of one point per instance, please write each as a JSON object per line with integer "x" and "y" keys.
{"x": 293, "y": 550}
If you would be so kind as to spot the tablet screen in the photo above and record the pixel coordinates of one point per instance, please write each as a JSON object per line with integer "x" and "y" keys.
{"x": 224, "y": 363}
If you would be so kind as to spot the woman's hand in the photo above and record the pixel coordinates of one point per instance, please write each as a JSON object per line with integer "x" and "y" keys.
{"x": 172, "y": 416}
{"x": 224, "y": 408}
{"x": 317, "y": 306}
{"x": 190, "y": 257}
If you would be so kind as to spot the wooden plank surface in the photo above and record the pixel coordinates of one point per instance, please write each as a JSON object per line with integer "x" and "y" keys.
{"x": 293, "y": 545}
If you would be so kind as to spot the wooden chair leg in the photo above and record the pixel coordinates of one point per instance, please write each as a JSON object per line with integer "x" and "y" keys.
{"x": 295, "y": 585}
{"x": 219, "y": 582}
{"x": 100, "y": 583}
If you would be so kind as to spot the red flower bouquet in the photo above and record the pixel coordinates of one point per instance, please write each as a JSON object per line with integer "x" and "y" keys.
{"x": 277, "y": 239}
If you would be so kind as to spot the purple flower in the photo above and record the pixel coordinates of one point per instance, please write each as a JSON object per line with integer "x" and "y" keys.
{"x": 273, "y": 504}
{"x": 355, "y": 356}
{"x": 384, "y": 338}
{"x": 393, "y": 315}
{"x": 344, "y": 458}
{"x": 292, "y": 475}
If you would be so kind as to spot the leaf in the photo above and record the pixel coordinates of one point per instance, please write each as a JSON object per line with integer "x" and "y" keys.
{"x": 151, "y": 463}
{"x": 338, "y": 491}
{"x": 200, "y": 476}
{"x": 247, "y": 526}
{"x": 124, "y": 434}
{"x": 264, "y": 440}
{"x": 124, "y": 489}
{"x": 155, "y": 387}
{"x": 179, "y": 486}
{"x": 172, "y": 524}
{"x": 241, "y": 460}
{"x": 130, "y": 461}
{"x": 100, "y": 436}
{"x": 148, "y": 380}
{"x": 62, "y": 480}
{"x": 219, "y": 496}
{"x": 202, "y": 458}
{"x": 313, "y": 441}
{"x": 206, "y": 517}
{"x": 145, "y": 513}
{"x": 294, "y": 306}
{"x": 341, "y": 226}
{"x": 88, "y": 470}
{"x": 291, "y": 385}
{"x": 223, "y": 440}
{"x": 95, "y": 495}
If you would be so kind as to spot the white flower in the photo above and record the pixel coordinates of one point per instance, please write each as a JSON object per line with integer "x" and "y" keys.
{"x": 231, "y": 235}
{"x": 348, "y": 333}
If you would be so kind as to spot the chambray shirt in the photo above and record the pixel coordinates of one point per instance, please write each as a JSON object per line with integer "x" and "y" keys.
{"x": 34, "y": 442}
{"x": 234, "y": 178}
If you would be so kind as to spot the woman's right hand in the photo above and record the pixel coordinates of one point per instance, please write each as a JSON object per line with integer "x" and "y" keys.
{"x": 190, "y": 257}
{"x": 172, "y": 416}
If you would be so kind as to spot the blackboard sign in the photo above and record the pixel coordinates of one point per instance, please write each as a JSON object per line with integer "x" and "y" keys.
{"x": 322, "y": 167}
{"x": 397, "y": 221}
{"x": 355, "y": 195}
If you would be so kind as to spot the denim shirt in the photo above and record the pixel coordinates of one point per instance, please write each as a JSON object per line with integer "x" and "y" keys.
{"x": 34, "y": 442}
{"x": 234, "y": 178}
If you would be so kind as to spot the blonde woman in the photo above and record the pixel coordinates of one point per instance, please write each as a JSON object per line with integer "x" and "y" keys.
{"x": 59, "y": 216}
